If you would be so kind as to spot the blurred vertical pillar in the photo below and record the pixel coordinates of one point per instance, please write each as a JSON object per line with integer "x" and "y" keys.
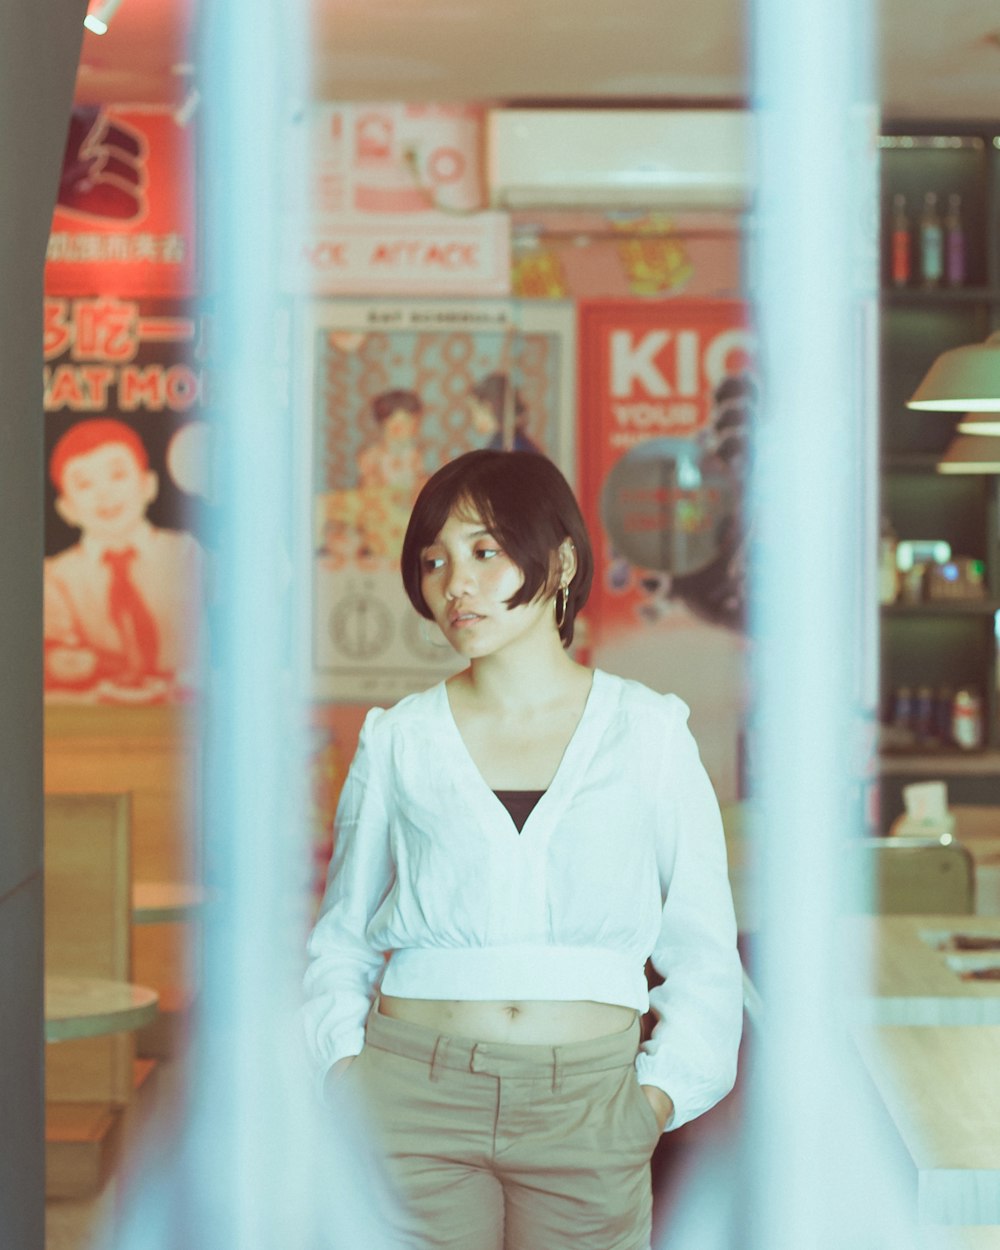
{"x": 39, "y": 51}
{"x": 817, "y": 1177}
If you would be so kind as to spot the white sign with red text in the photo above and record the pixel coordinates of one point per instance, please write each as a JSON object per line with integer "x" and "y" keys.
{"x": 393, "y": 204}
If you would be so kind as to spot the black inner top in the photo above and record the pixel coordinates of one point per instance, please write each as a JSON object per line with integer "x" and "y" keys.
{"x": 520, "y": 804}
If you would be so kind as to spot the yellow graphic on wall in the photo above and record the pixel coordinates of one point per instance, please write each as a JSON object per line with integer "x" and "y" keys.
{"x": 538, "y": 274}
{"x": 654, "y": 258}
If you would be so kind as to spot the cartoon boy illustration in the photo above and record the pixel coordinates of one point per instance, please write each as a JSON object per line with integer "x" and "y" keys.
{"x": 122, "y": 603}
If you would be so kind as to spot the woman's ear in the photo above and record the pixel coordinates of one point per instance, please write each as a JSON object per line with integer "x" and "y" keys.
{"x": 567, "y": 562}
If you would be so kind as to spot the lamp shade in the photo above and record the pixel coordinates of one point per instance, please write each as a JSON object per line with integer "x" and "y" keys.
{"x": 980, "y": 423}
{"x": 965, "y": 379}
{"x": 970, "y": 453}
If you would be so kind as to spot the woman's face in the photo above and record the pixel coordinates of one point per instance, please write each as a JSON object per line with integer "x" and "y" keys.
{"x": 466, "y": 579}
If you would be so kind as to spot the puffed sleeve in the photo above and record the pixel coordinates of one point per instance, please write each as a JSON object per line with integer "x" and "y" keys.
{"x": 343, "y": 968}
{"x": 692, "y": 1052}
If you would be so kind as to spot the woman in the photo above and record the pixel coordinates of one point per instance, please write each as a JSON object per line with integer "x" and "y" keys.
{"x": 512, "y": 845}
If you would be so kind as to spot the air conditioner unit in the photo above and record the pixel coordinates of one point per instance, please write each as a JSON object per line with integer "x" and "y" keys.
{"x": 619, "y": 158}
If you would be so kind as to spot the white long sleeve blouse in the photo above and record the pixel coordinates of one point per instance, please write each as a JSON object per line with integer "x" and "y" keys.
{"x": 432, "y": 893}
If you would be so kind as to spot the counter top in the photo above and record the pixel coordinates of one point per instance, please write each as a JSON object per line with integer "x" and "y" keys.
{"x": 941, "y": 1087}
{"x": 915, "y": 981}
{"x": 974, "y": 1237}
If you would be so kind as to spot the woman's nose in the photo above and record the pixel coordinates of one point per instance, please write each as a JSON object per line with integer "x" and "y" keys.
{"x": 460, "y": 580}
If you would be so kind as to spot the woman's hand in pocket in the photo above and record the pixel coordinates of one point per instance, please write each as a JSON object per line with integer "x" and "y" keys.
{"x": 335, "y": 1075}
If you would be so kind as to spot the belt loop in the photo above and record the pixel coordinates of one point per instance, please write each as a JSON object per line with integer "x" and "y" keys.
{"x": 556, "y": 1070}
{"x": 434, "y": 1058}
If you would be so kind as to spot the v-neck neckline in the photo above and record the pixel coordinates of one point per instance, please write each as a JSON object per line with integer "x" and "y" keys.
{"x": 574, "y": 747}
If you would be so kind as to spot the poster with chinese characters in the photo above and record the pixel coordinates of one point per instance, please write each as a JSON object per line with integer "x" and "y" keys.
{"x": 124, "y": 218}
{"x": 668, "y": 397}
{"x": 398, "y": 389}
{"x": 126, "y": 476}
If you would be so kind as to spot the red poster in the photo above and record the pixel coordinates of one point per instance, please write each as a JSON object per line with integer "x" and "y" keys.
{"x": 124, "y": 218}
{"x": 667, "y": 393}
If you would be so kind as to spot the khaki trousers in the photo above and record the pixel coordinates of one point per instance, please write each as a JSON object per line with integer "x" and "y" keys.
{"x": 510, "y": 1147}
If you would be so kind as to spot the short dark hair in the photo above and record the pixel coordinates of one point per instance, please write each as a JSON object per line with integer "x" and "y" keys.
{"x": 384, "y": 405}
{"x": 525, "y": 502}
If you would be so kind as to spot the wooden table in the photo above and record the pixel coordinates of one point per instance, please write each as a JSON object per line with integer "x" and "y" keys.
{"x": 983, "y": 1237}
{"x": 915, "y": 982}
{"x": 165, "y": 902}
{"x": 941, "y": 1087}
{"x": 90, "y": 1007}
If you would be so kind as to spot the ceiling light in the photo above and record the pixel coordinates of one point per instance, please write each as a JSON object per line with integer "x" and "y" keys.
{"x": 965, "y": 379}
{"x": 980, "y": 423}
{"x": 99, "y": 15}
{"x": 971, "y": 454}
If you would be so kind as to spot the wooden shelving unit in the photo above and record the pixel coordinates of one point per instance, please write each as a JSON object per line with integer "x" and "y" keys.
{"x": 942, "y": 643}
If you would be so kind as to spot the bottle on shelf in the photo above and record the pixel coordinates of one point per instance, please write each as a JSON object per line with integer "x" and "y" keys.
{"x": 888, "y": 574}
{"x": 901, "y": 253}
{"x": 931, "y": 242}
{"x": 954, "y": 233}
{"x": 967, "y": 720}
{"x": 923, "y": 717}
{"x": 902, "y": 708}
{"x": 943, "y": 713}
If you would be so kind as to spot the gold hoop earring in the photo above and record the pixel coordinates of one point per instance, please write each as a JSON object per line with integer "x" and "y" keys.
{"x": 563, "y": 594}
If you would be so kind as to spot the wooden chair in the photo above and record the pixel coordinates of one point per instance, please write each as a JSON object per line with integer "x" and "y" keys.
{"x": 87, "y": 934}
{"x": 918, "y": 876}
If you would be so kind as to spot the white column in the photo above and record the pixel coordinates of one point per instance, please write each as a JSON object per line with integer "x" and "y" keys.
{"x": 818, "y": 1172}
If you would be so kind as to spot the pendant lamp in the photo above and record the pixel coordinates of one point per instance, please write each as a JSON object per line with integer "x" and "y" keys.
{"x": 964, "y": 379}
{"x": 971, "y": 453}
{"x": 980, "y": 423}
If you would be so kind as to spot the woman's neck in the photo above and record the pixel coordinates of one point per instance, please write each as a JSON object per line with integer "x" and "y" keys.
{"x": 515, "y": 683}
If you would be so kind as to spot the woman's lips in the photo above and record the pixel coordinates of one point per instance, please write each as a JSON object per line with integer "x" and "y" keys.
{"x": 462, "y": 620}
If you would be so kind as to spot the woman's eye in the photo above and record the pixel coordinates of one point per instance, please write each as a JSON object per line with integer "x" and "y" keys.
{"x": 430, "y": 563}
{"x": 487, "y": 553}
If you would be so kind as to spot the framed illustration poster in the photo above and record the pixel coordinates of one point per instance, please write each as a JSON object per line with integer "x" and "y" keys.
{"x": 396, "y": 389}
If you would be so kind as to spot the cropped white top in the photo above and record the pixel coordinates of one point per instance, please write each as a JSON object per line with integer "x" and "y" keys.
{"x": 432, "y": 893}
